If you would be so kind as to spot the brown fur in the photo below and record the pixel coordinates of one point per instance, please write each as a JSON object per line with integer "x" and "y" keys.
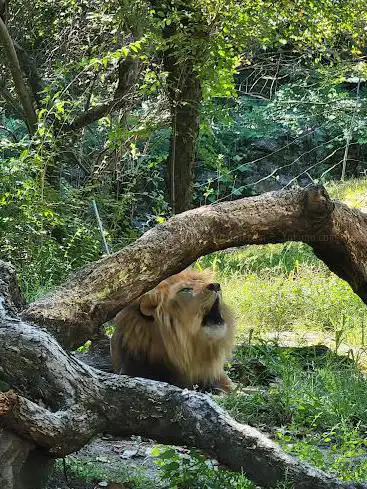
{"x": 167, "y": 334}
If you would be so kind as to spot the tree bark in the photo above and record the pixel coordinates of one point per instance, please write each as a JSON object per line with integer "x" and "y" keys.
{"x": 22, "y": 464}
{"x": 19, "y": 83}
{"x": 76, "y": 312}
{"x": 29, "y": 68}
{"x": 4, "y": 11}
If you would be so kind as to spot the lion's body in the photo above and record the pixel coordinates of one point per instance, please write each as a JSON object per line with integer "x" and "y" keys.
{"x": 180, "y": 332}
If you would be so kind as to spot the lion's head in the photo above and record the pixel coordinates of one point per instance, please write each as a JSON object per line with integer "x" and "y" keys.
{"x": 182, "y": 323}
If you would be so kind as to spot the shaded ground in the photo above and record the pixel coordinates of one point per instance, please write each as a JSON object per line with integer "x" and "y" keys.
{"x": 311, "y": 338}
{"x": 104, "y": 462}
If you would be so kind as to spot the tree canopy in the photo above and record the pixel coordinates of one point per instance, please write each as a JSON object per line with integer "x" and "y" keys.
{"x": 154, "y": 107}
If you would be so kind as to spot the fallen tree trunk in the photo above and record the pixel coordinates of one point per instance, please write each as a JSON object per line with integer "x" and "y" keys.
{"x": 64, "y": 403}
{"x": 338, "y": 235}
{"x": 22, "y": 464}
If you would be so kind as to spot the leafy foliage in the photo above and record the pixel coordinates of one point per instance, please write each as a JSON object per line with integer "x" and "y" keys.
{"x": 38, "y": 236}
{"x": 190, "y": 470}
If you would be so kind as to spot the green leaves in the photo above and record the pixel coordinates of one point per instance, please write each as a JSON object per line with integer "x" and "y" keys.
{"x": 188, "y": 469}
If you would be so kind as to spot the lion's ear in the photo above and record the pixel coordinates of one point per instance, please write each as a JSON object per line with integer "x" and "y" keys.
{"x": 148, "y": 303}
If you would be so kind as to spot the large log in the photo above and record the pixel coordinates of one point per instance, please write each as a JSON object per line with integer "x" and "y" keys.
{"x": 338, "y": 235}
{"x": 22, "y": 464}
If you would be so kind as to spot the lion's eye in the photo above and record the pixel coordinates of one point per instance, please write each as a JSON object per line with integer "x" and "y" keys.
{"x": 186, "y": 290}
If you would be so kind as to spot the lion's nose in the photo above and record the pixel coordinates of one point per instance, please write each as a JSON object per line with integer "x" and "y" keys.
{"x": 215, "y": 287}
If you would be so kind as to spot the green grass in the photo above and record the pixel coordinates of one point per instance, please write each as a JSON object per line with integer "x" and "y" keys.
{"x": 308, "y": 390}
{"x": 352, "y": 192}
{"x": 261, "y": 259}
{"x": 284, "y": 287}
{"x": 315, "y": 406}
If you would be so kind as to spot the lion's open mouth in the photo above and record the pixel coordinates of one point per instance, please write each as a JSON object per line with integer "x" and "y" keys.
{"x": 213, "y": 317}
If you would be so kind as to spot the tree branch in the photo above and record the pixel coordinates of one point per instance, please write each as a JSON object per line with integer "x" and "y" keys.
{"x": 19, "y": 83}
{"x": 128, "y": 72}
{"x": 29, "y": 68}
{"x": 338, "y": 235}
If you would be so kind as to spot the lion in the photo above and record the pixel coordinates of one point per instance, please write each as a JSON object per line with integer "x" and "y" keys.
{"x": 180, "y": 332}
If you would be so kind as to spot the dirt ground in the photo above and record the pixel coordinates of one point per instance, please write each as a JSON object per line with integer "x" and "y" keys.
{"x": 110, "y": 456}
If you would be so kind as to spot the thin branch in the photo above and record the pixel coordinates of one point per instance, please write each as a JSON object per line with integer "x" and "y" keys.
{"x": 128, "y": 73}
{"x": 20, "y": 85}
{"x": 77, "y": 160}
{"x": 330, "y": 169}
{"x": 273, "y": 172}
{"x": 275, "y": 78}
{"x": 330, "y": 155}
{"x": 350, "y": 133}
{"x": 273, "y": 153}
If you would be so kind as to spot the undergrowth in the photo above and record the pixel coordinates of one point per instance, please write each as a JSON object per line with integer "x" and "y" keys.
{"x": 190, "y": 470}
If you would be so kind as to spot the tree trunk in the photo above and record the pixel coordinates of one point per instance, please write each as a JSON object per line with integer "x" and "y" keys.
{"x": 184, "y": 93}
{"x": 22, "y": 465}
{"x": 61, "y": 404}
{"x": 185, "y": 98}
{"x": 76, "y": 312}
{"x": 29, "y": 68}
